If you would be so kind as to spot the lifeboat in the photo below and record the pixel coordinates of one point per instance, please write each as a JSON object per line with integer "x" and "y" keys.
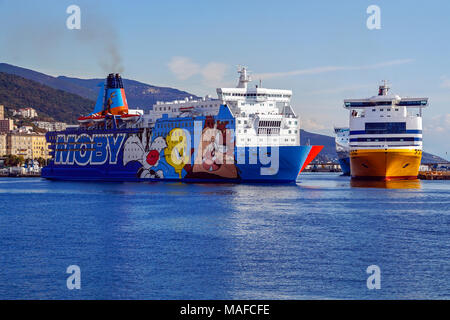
{"x": 85, "y": 119}
{"x": 129, "y": 117}
{"x": 98, "y": 118}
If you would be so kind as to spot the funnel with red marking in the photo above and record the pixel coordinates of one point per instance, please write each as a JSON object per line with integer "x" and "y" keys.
{"x": 115, "y": 100}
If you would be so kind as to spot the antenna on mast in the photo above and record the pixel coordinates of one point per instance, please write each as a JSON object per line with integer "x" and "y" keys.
{"x": 383, "y": 89}
{"x": 244, "y": 78}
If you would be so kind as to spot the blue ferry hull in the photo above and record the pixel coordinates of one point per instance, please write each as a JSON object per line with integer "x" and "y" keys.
{"x": 291, "y": 159}
{"x": 345, "y": 166}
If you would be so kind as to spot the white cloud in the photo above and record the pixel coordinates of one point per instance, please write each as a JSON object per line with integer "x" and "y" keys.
{"x": 439, "y": 124}
{"x": 319, "y": 70}
{"x": 184, "y": 68}
{"x": 214, "y": 72}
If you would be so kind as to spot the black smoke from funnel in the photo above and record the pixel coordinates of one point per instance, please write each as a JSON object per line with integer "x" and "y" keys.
{"x": 43, "y": 40}
{"x": 100, "y": 35}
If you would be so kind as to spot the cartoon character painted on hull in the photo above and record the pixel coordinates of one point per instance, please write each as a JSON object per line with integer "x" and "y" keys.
{"x": 137, "y": 149}
{"x": 216, "y": 152}
{"x": 172, "y": 157}
{"x": 177, "y": 152}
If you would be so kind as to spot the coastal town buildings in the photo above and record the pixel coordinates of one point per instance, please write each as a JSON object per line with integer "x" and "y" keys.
{"x": 39, "y": 147}
{"x": 30, "y": 146}
{"x": 26, "y": 113}
{"x": 24, "y": 129}
{"x": 23, "y": 141}
{"x": 6, "y": 125}
{"x": 2, "y": 144}
{"x": 50, "y": 126}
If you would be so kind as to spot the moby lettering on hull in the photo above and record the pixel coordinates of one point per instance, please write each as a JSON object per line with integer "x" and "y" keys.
{"x": 84, "y": 149}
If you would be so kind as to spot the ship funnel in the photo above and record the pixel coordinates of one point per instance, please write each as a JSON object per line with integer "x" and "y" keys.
{"x": 115, "y": 101}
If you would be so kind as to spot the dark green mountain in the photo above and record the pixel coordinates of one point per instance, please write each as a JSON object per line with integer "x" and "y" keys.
{"x": 17, "y": 92}
{"x": 48, "y": 80}
{"x": 139, "y": 95}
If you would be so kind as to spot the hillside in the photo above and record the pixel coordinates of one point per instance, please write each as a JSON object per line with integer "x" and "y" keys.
{"x": 47, "y": 80}
{"x": 139, "y": 95}
{"x": 17, "y": 92}
{"x": 328, "y": 152}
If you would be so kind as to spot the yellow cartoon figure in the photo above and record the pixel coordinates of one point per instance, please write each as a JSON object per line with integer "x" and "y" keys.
{"x": 177, "y": 153}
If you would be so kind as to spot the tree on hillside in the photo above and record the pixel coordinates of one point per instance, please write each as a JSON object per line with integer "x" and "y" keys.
{"x": 17, "y": 92}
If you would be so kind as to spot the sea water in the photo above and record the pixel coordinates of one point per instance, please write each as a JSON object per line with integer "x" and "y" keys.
{"x": 313, "y": 239}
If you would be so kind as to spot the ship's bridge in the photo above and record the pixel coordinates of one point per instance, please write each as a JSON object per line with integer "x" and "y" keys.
{"x": 242, "y": 92}
{"x": 385, "y": 99}
{"x": 245, "y": 101}
{"x": 385, "y": 105}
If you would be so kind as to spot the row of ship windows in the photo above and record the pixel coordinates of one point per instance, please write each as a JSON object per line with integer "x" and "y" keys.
{"x": 385, "y": 127}
{"x": 243, "y": 104}
{"x": 388, "y": 109}
{"x": 260, "y": 131}
{"x": 172, "y": 125}
{"x": 385, "y": 139}
{"x": 268, "y": 123}
{"x": 285, "y": 140}
{"x": 169, "y": 108}
{"x": 176, "y": 125}
{"x": 384, "y": 145}
{"x": 386, "y": 103}
{"x": 257, "y": 95}
{"x": 268, "y": 130}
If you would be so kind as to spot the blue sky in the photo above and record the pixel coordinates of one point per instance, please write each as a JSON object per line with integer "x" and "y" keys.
{"x": 322, "y": 50}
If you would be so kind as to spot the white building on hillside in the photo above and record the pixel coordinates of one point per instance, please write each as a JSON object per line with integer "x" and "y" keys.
{"x": 26, "y": 113}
